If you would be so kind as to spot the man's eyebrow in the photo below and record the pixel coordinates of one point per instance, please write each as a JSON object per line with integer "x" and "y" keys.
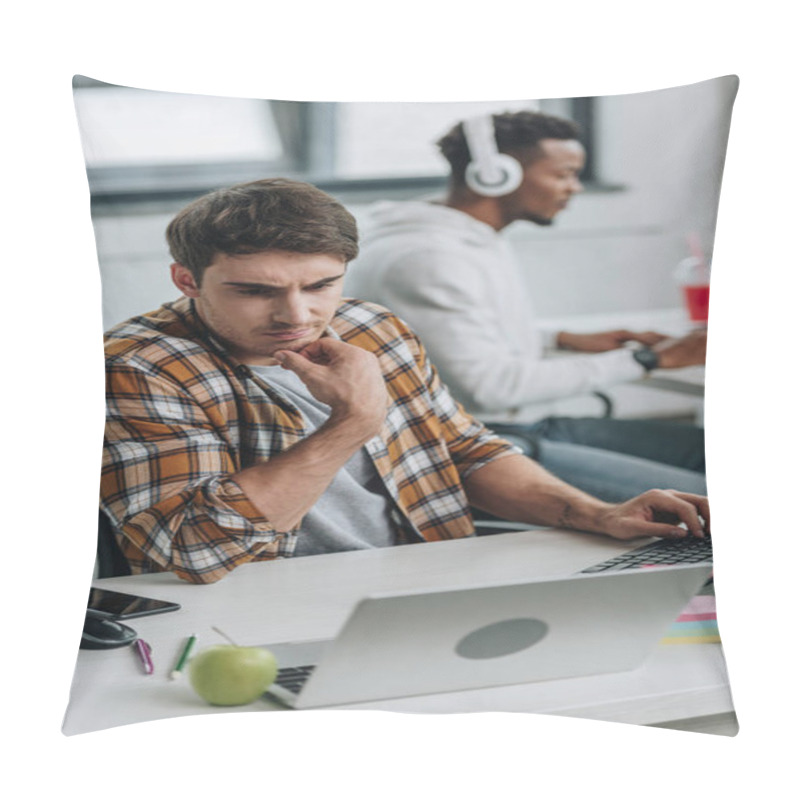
{"x": 259, "y": 285}
{"x": 251, "y": 284}
{"x": 329, "y": 279}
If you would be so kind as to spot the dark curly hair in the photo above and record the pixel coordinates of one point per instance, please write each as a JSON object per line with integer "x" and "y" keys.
{"x": 517, "y": 133}
{"x": 254, "y": 217}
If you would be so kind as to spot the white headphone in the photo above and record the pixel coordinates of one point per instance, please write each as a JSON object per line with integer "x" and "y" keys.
{"x": 490, "y": 173}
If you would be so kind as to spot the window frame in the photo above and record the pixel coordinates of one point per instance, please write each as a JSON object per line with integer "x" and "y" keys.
{"x": 307, "y": 132}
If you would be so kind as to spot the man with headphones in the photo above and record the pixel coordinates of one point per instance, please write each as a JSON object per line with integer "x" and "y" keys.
{"x": 444, "y": 268}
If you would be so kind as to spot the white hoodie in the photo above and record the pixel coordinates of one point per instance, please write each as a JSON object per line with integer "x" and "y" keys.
{"x": 456, "y": 282}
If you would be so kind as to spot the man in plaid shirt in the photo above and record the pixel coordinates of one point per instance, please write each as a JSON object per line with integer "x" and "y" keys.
{"x": 263, "y": 416}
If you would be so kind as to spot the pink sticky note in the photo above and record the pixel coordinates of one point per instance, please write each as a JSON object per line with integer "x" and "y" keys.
{"x": 699, "y": 608}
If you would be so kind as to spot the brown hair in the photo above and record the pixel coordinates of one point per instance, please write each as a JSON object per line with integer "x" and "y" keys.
{"x": 517, "y": 134}
{"x": 259, "y": 216}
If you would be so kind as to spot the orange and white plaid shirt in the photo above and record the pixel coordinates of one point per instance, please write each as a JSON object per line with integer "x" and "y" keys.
{"x": 183, "y": 418}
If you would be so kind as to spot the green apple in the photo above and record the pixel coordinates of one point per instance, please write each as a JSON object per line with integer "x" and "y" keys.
{"x": 229, "y": 675}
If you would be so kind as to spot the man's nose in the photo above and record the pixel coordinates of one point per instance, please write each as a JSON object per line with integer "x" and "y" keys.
{"x": 293, "y": 310}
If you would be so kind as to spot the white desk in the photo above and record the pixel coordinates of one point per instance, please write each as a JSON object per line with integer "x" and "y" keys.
{"x": 688, "y": 380}
{"x": 309, "y": 598}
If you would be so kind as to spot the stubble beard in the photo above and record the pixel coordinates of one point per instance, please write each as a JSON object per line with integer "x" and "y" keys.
{"x": 544, "y": 222}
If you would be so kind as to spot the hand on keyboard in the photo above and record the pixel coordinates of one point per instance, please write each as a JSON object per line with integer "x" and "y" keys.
{"x": 659, "y": 512}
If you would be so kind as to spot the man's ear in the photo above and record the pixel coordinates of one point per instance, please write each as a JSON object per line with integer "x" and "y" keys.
{"x": 182, "y": 277}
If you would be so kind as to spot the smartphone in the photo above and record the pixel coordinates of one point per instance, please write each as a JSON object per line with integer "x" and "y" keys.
{"x": 126, "y": 606}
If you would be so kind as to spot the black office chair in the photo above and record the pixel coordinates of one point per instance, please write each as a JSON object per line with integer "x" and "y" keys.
{"x": 608, "y": 404}
{"x": 110, "y": 561}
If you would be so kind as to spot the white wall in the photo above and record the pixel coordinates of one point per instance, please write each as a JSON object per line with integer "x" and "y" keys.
{"x": 134, "y": 265}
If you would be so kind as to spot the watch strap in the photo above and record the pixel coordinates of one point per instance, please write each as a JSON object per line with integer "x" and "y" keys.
{"x": 646, "y": 357}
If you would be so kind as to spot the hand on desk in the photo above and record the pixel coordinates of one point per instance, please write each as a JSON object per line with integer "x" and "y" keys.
{"x": 687, "y": 351}
{"x": 658, "y": 513}
{"x": 607, "y": 340}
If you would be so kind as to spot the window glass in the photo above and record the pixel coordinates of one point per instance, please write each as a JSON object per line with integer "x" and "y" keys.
{"x": 123, "y": 126}
{"x": 385, "y": 140}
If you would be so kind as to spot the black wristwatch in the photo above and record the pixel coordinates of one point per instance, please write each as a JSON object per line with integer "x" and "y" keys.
{"x": 646, "y": 357}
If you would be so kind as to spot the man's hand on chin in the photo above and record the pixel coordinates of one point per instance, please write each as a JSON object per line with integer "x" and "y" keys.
{"x": 344, "y": 377}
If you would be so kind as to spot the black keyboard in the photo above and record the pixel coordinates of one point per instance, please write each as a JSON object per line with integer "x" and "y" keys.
{"x": 293, "y": 678}
{"x": 665, "y": 552}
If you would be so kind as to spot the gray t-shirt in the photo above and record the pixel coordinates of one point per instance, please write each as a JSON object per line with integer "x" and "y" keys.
{"x": 354, "y": 512}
